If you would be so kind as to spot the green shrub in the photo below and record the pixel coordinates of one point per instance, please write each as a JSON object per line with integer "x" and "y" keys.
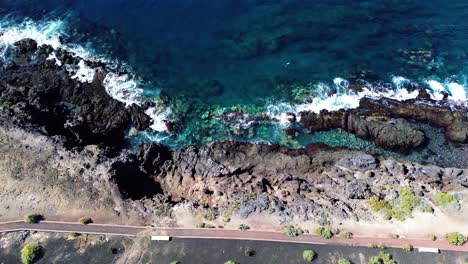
{"x": 249, "y": 252}
{"x": 210, "y": 214}
{"x": 382, "y": 258}
{"x": 445, "y": 199}
{"x": 376, "y": 204}
{"x": 427, "y": 209}
{"x": 431, "y": 237}
{"x": 308, "y": 255}
{"x": 244, "y": 227}
{"x": 31, "y": 253}
{"x": 33, "y": 218}
{"x": 346, "y": 234}
{"x": 343, "y": 261}
{"x": 394, "y": 236}
{"x": 323, "y": 232}
{"x": 456, "y": 238}
{"x": 292, "y": 231}
{"x": 226, "y": 217}
{"x": 372, "y": 245}
{"x": 86, "y": 220}
{"x": 205, "y": 225}
{"x": 163, "y": 210}
{"x": 230, "y": 262}
{"x": 408, "y": 201}
{"x": 407, "y": 248}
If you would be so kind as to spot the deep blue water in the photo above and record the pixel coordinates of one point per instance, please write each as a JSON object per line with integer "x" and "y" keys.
{"x": 206, "y": 55}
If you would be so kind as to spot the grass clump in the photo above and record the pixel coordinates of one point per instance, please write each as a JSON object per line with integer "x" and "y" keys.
{"x": 445, "y": 199}
{"x": 163, "y": 210}
{"x": 346, "y": 234}
{"x": 376, "y": 204}
{"x": 456, "y": 238}
{"x": 323, "y": 232}
{"x": 292, "y": 231}
{"x": 399, "y": 209}
{"x": 244, "y": 227}
{"x": 226, "y": 217}
{"x": 408, "y": 201}
{"x": 33, "y": 218}
{"x": 343, "y": 261}
{"x": 85, "y": 220}
{"x": 308, "y": 255}
{"x": 249, "y": 252}
{"x": 394, "y": 236}
{"x": 205, "y": 225}
{"x": 407, "y": 247}
{"x": 427, "y": 209}
{"x": 431, "y": 237}
{"x": 31, "y": 253}
{"x": 382, "y": 258}
{"x": 230, "y": 262}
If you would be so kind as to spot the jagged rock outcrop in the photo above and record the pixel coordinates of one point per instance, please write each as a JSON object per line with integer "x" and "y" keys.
{"x": 42, "y": 93}
{"x": 455, "y": 122}
{"x": 387, "y": 133}
{"x": 384, "y": 121}
{"x": 310, "y": 183}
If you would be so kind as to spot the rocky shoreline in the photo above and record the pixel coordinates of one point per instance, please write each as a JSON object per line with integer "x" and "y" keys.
{"x": 62, "y": 140}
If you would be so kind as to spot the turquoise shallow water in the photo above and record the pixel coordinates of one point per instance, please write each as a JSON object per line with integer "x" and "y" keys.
{"x": 203, "y": 58}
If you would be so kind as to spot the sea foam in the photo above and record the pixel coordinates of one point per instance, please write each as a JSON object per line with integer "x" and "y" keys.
{"x": 122, "y": 87}
{"x": 345, "y": 98}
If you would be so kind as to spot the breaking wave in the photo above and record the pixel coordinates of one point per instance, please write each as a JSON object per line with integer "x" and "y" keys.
{"x": 340, "y": 96}
{"x": 124, "y": 87}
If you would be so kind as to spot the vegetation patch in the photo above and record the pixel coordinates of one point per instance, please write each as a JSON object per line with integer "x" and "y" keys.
{"x": 398, "y": 209}
{"x": 323, "y": 232}
{"x": 456, "y": 238}
{"x": 31, "y": 253}
{"x": 292, "y": 231}
{"x": 346, "y": 234}
{"x": 249, "y": 252}
{"x": 33, "y": 218}
{"x": 244, "y": 227}
{"x": 407, "y": 247}
{"x": 445, "y": 199}
{"x": 308, "y": 255}
{"x": 226, "y": 217}
{"x": 86, "y": 220}
{"x": 163, "y": 210}
{"x": 205, "y": 225}
{"x": 343, "y": 261}
{"x": 382, "y": 258}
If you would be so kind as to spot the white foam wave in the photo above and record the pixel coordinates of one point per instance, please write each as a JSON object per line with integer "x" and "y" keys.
{"x": 455, "y": 92}
{"x": 348, "y": 99}
{"x": 121, "y": 87}
{"x": 82, "y": 72}
{"x": 281, "y": 112}
{"x": 159, "y": 118}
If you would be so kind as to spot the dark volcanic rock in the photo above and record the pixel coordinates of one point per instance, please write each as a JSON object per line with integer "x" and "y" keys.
{"x": 310, "y": 183}
{"x": 396, "y": 134}
{"x": 455, "y": 123}
{"x": 45, "y": 95}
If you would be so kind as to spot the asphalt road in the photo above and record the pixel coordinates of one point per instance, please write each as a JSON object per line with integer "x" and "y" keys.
{"x": 67, "y": 227}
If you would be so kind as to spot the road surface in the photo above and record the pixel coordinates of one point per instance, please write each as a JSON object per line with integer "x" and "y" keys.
{"x": 104, "y": 229}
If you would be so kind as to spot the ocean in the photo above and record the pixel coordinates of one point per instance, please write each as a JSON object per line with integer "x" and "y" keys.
{"x": 241, "y": 69}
